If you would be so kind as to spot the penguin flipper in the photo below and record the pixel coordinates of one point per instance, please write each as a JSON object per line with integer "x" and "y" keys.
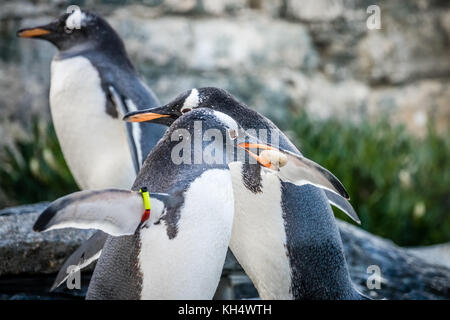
{"x": 134, "y": 136}
{"x": 342, "y": 204}
{"x": 117, "y": 212}
{"x": 87, "y": 253}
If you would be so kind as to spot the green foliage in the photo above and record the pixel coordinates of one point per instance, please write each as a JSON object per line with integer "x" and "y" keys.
{"x": 398, "y": 184}
{"x": 34, "y": 169}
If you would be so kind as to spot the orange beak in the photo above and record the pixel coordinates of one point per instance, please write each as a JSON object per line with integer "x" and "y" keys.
{"x": 31, "y": 33}
{"x": 142, "y": 117}
{"x": 246, "y": 146}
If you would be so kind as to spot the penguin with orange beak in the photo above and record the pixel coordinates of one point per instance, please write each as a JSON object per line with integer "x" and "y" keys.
{"x": 93, "y": 84}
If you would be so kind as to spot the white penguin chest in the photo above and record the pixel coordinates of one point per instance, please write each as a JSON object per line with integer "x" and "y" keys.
{"x": 94, "y": 143}
{"x": 189, "y": 265}
{"x": 258, "y": 240}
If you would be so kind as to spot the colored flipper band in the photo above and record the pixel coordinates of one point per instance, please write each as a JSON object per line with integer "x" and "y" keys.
{"x": 147, "y": 206}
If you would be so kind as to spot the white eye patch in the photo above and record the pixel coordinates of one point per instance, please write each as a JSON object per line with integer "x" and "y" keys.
{"x": 228, "y": 121}
{"x": 191, "y": 101}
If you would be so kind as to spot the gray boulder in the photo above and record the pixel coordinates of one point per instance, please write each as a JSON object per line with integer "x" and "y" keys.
{"x": 30, "y": 261}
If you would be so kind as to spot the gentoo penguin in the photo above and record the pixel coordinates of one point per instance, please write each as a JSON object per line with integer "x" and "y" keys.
{"x": 178, "y": 253}
{"x": 93, "y": 83}
{"x": 220, "y": 100}
{"x": 284, "y": 234}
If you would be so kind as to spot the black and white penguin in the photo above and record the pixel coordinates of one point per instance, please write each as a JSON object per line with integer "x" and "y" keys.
{"x": 178, "y": 253}
{"x": 284, "y": 234}
{"x": 93, "y": 83}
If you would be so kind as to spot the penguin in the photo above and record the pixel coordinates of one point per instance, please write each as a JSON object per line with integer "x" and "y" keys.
{"x": 162, "y": 263}
{"x": 93, "y": 83}
{"x": 179, "y": 251}
{"x": 284, "y": 233}
{"x": 220, "y": 100}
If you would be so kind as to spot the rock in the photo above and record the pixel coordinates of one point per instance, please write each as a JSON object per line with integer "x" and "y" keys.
{"x": 222, "y": 7}
{"x": 318, "y": 10}
{"x": 30, "y": 261}
{"x": 20, "y": 9}
{"x": 324, "y": 97}
{"x": 242, "y": 44}
{"x": 401, "y": 51}
{"x": 26, "y": 252}
{"x": 437, "y": 254}
{"x": 414, "y": 105}
{"x": 404, "y": 274}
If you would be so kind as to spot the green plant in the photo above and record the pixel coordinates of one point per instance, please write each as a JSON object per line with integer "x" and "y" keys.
{"x": 34, "y": 169}
{"x": 399, "y": 184}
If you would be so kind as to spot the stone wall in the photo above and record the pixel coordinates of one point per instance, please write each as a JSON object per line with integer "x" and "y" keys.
{"x": 278, "y": 56}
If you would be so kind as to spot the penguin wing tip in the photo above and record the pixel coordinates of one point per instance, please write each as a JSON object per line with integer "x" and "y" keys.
{"x": 344, "y": 192}
{"x": 54, "y": 286}
{"x": 37, "y": 227}
{"x": 41, "y": 222}
{"x": 354, "y": 217}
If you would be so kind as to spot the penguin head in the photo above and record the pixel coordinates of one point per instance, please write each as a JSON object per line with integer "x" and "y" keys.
{"x": 79, "y": 29}
{"x": 207, "y": 97}
{"x": 205, "y": 119}
{"x": 216, "y": 135}
{"x": 212, "y": 106}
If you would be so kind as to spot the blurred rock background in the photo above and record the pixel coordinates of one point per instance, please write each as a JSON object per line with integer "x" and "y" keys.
{"x": 279, "y": 56}
{"x": 373, "y": 106}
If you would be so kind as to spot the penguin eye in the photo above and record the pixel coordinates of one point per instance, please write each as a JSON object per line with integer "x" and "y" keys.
{"x": 185, "y": 109}
{"x": 232, "y": 133}
{"x": 67, "y": 30}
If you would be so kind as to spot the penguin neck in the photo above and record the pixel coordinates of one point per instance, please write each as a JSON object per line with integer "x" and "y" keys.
{"x": 99, "y": 53}
{"x": 160, "y": 169}
{"x": 318, "y": 266}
